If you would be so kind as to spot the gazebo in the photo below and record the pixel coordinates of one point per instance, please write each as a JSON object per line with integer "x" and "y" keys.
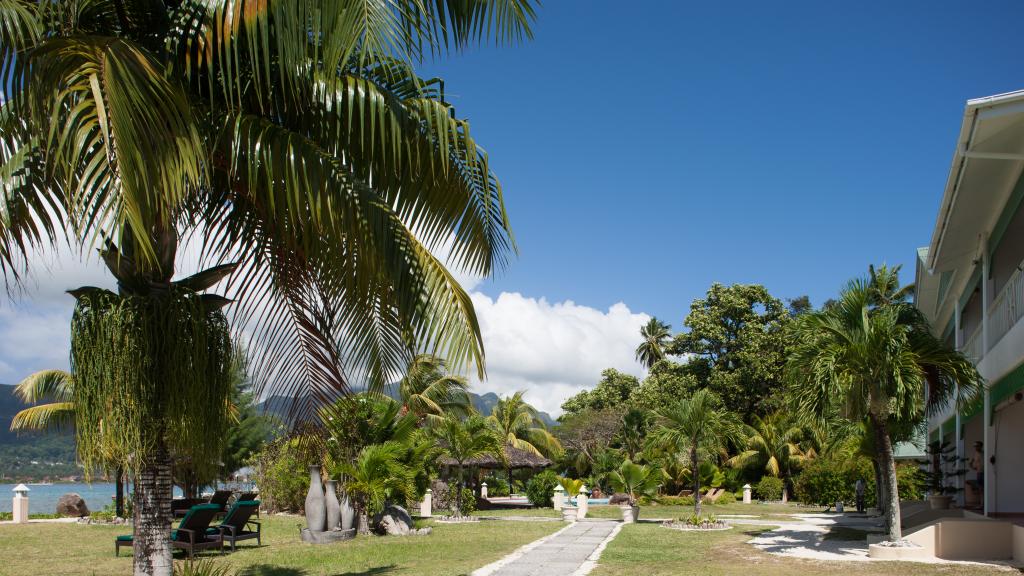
{"x": 515, "y": 459}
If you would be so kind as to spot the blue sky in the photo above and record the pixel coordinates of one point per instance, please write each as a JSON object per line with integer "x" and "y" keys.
{"x": 648, "y": 149}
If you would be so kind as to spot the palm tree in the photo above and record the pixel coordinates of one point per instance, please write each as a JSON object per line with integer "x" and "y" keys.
{"x": 430, "y": 393}
{"x": 873, "y": 355}
{"x": 655, "y": 334}
{"x": 636, "y": 480}
{"x": 292, "y": 141}
{"x": 463, "y": 440}
{"x": 377, "y": 477}
{"x": 773, "y": 446}
{"x": 521, "y": 427}
{"x": 56, "y": 386}
{"x": 699, "y": 426}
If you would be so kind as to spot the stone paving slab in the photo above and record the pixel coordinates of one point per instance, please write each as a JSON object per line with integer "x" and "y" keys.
{"x": 562, "y": 555}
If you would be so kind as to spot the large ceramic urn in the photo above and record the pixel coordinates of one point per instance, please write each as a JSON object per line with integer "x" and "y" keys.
{"x": 315, "y": 504}
{"x": 333, "y": 508}
{"x": 348, "y": 512}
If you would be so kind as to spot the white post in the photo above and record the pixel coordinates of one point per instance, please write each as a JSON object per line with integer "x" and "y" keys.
{"x": 427, "y": 504}
{"x": 581, "y": 503}
{"x": 20, "y": 506}
{"x": 483, "y": 490}
{"x": 746, "y": 493}
{"x": 989, "y": 435}
{"x": 558, "y": 498}
{"x": 957, "y": 436}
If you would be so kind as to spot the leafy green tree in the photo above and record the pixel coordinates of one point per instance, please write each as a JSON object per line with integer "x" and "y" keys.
{"x": 632, "y": 435}
{"x": 293, "y": 138}
{"x": 520, "y": 426}
{"x": 430, "y": 393}
{"x": 873, "y": 354}
{"x": 250, "y": 429}
{"x": 735, "y": 339}
{"x": 700, "y": 426}
{"x": 656, "y": 335}
{"x": 462, "y": 440}
{"x": 614, "y": 389}
{"x": 664, "y": 385}
{"x": 586, "y": 435}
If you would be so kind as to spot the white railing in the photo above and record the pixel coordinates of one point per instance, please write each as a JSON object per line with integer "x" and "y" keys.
{"x": 1007, "y": 309}
{"x": 972, "y": 346}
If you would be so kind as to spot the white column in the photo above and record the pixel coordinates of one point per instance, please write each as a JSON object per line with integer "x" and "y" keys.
{"x": 746, "y": 494}
{"x": 989, "y": 436}
{"x": 483, "y": 490}
{"x": 581, "y": 503}
{"x": 558, "y": 498}
{"x": 958, "y": 441}
{"x": 427, "y": 504}
{"x": 19, "y": 507}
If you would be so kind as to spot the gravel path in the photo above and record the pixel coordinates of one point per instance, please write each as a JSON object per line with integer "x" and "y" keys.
{"x": 572, "y": 551}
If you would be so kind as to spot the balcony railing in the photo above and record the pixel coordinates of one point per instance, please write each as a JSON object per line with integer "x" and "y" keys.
{"x": 972, "y": 346}
{"x": 1007, "y": 309}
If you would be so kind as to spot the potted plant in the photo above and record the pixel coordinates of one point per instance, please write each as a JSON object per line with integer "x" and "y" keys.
{"x": 942, "y": 456}
{"x": 635, "y": 480}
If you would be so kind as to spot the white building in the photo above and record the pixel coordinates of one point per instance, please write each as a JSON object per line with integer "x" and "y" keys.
{"x": 970, "y": 285}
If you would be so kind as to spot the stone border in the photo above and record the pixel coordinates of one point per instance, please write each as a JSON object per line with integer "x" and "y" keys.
{"x": 688, "y": 528}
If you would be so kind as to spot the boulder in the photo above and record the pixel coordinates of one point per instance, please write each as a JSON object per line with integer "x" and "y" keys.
{"x": 619, "y": 498}
{"x": 393, "y": 521}
{"x": 72, "y": 505}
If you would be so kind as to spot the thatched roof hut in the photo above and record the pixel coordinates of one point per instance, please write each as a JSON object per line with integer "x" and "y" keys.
{"x": 516, "y": 459}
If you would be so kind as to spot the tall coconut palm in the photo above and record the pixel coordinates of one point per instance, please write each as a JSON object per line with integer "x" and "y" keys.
{"x": 463, "y": 440}
{"x": 519, "y": 425}
{"x": 699, "y": 426}
{"x": 430, "y": 393}
{"x": 293, "y": 143}
{"x": 874, "y": 356}
{"x": 772, "y": 446}
{"x": 656, "y": 335}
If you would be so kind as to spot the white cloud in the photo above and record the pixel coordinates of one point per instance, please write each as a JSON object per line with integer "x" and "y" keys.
{"x": 550, "y": 350}
{"x": 553, "y": 351}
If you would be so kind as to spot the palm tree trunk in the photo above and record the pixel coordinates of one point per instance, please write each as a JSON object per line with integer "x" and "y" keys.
{"x": 119, "y": 492}
{"x": 888, "y": 465}
{"x": 458, "y": 494}
{"x": 152, "y": 545}
{"x": 880, "y": 497}
{"x": 696, "y": 480}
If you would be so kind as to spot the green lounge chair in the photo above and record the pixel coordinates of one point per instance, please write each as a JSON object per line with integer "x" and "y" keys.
{"x": 237, "y": 525}
{"x": 193, "y": 532}
{"x": 220, "y": 498}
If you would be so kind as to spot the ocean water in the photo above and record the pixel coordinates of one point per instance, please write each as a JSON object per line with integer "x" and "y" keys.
{"x": 42, "y": 499}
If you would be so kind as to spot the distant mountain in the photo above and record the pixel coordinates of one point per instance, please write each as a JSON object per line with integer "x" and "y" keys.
{"x": 483, "y": 403}
{"x": 32, "y": 456}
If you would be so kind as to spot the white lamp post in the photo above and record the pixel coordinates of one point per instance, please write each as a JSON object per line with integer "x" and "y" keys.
{"x": 20, "y": 506}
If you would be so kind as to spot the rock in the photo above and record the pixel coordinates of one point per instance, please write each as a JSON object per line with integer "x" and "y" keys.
{"x": 72, "y": 505}
{"x": 422, "y": 531}
{"x": 393, "y": 521}
{"x": 619, "y": 498}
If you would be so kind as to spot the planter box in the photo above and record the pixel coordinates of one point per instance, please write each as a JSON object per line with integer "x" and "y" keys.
{"x": 630, "y": 514}
{"x": 569, "y": 513}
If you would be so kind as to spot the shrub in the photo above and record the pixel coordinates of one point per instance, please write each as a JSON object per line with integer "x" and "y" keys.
{"x": 283, "y": 477}
{"x": 468, "y": 502}
{"x": 540, "y": 488}
{"x": 675, "y": 500}
{"x": 496, "y": 486}
{"x": 726, "y": 498}
{"x": 769, "y": 488}
{"x": 823, "y": 483}
{"x": 911, "y": 481}
{"x": 202, "y": 568}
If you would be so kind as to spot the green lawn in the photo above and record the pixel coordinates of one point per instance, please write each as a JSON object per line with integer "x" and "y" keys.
{"x": 75, "y": 549}
{"x": 651, "y": 550}
{"x": 765, "y": 511}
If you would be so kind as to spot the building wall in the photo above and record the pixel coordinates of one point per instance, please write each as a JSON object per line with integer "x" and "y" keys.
{"x": 1009, "y": 254}
{"x": 1009, "y": 488}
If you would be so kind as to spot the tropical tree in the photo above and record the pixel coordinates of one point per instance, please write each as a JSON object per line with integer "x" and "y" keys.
{"x": 430, "y": 393}
{"x": 293, "y": 142}
{"x": 463, "y": 440}
{"x": 376, "y": 477}
{"x": 636, "y": 480}
{"x": 656, "y": 335}
{"x": 772, "y": 446}
{"x": 872, "y": 354}
{"x": 700, "y": 427}
{"x": 56, "y": 389}
{"x": 520, "y": 426}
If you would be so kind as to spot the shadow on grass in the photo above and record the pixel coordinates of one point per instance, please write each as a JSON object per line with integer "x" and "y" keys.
{"x": 269, "y": 570}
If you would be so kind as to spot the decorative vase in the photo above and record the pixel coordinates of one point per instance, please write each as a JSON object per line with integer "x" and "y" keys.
{"x": 315, "y": 502}
{"x": 333, "y": 508}
{"x": 348, "y": 513}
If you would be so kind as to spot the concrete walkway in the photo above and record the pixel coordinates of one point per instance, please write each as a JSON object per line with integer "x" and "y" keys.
{"x": 572, "y": 551}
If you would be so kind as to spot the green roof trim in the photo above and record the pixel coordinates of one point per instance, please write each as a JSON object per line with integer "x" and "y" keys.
{"x": 1007, "y": 385}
